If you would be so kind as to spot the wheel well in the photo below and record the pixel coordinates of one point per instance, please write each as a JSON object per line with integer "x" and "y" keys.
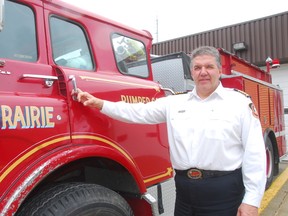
{"x": 96, "y": 170}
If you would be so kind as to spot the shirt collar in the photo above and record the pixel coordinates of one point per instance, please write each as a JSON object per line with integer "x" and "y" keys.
{"x": 219, "y": 91}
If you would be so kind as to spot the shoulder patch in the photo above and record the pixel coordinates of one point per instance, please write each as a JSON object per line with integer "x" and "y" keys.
{"x": 254, "y": 110}
{"x": 242, "y": 92}
{"x": 177, "y": 93}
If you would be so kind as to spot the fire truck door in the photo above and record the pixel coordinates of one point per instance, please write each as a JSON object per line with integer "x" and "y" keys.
{"x": 32, "y": 111}
{"x": 74, "y": 57}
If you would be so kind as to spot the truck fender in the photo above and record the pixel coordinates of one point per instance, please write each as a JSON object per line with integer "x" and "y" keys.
{"x": 34, "y": 175}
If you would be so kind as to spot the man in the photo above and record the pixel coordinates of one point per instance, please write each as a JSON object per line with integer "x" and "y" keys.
{"x": 215, "y": 139}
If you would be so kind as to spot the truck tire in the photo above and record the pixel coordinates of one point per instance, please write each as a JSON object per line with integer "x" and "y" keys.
{"x": 269, "y": 162}
{"x": 76, "y": 199}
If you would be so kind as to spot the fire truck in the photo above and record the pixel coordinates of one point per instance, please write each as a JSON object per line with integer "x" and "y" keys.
{"x": 58, "y": 157}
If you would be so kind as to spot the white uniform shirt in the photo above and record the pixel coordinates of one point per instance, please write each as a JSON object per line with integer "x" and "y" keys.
{"x": 220, "y": 132}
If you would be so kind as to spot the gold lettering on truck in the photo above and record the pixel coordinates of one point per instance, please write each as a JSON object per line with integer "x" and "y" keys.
{"x": 136, "y": 99}
{"x": 26, "y": 117}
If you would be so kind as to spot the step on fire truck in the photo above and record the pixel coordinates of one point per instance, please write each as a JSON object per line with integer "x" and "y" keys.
{"x": 57, "y": 156}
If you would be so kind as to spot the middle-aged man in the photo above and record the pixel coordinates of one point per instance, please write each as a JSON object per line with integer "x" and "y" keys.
{"x": 215, "y": 138}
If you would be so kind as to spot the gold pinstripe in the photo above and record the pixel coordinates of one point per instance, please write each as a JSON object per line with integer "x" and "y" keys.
{"x": 87, "y": 78}
{"x": 31, "y": 152}
{"x": 91, "y": 137}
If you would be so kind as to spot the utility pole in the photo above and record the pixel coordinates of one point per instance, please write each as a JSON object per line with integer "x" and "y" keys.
{"x": 157, "y": 33}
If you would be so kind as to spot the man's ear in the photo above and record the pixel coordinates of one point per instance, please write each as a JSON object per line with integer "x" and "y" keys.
{"x": 220, "y": 74}
{"x": 191, "y": 75}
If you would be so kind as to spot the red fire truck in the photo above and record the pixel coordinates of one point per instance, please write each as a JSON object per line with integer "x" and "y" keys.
{"x": 268, "y": 100}
{"x": 60, "y": 158}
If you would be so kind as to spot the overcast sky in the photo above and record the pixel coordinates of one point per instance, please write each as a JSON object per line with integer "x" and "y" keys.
{"x": 168, "y": 19}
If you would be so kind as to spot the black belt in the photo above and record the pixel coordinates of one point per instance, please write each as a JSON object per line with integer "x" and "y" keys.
{"x": 195, "y": 173}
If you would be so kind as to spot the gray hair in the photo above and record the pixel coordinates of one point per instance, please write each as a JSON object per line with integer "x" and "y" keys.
{"x": 206, "y": 50}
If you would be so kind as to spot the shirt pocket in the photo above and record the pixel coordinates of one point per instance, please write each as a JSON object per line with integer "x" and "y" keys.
{"x": 182, "y": 123}
{"x": 219, "y": 126}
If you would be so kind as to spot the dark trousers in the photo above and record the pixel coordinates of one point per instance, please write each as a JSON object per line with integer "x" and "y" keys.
{"x": 217, "y": 196}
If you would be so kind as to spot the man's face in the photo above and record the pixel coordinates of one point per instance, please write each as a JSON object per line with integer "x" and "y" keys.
{"x": 206, "y": 74}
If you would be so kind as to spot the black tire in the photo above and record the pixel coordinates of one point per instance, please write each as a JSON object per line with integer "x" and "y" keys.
{"x": 269, "y": 162}
{"x": 76, "y": 199}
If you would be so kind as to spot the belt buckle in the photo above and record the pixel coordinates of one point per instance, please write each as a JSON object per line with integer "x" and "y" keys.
{"x": 194, "y": 173}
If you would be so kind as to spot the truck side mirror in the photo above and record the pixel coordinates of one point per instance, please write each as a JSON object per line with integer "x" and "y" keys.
{"x": 1, "y": 14}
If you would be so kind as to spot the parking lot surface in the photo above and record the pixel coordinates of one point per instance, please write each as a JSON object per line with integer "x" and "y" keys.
{"x": 275, "y": 200}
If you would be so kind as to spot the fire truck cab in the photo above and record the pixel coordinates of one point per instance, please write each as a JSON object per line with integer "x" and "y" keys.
{"x": 58, "y": 156}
